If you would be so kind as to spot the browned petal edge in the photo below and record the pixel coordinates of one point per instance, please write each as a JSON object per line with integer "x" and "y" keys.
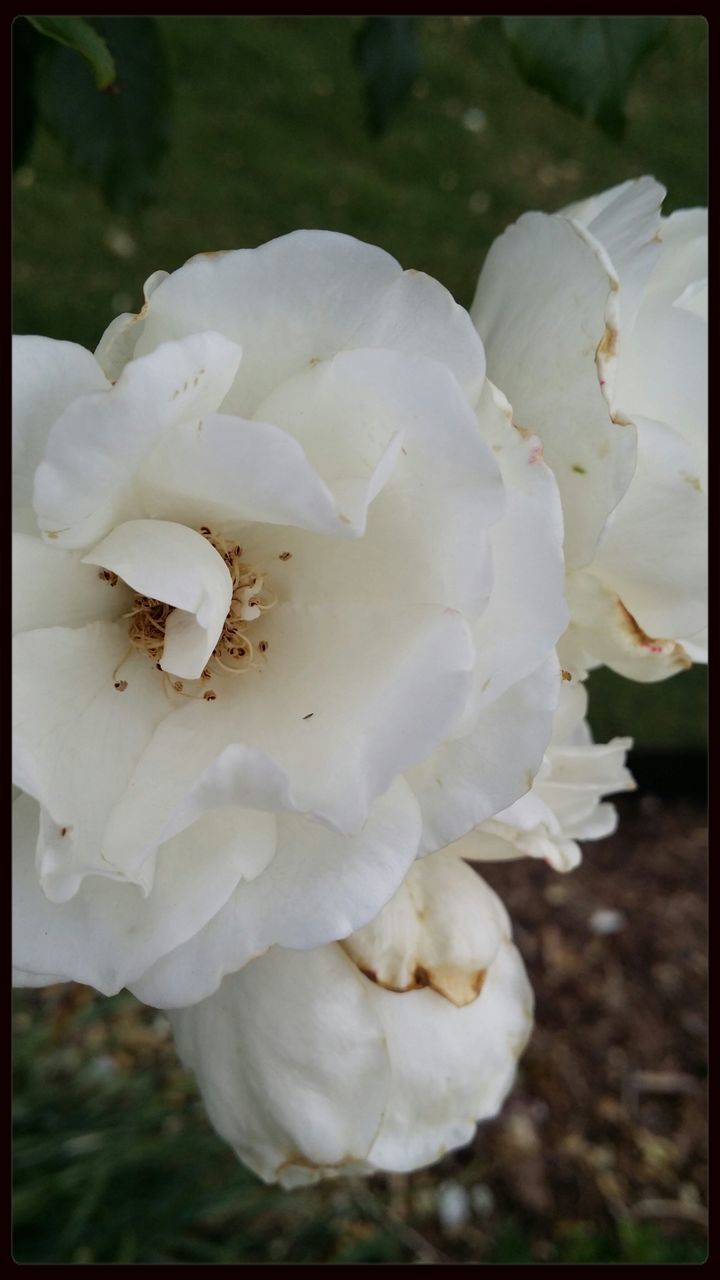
{"x": 140, "y": 314}
{"x": 459, "y": 993}
{"x": 209, "y": 253}
{"x": 644, "y": 641}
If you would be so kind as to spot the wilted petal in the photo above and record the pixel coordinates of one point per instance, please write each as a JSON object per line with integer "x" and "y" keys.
{"x": 442, "y": 929}
{"x": 297, "y": 1079}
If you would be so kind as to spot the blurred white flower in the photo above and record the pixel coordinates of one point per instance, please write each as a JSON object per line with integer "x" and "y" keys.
{"x": 290, "y": 620}
{"x": 595, "y": 325}
{"x": 329, "y": 1062}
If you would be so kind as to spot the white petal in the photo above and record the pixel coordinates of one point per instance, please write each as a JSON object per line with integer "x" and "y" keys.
{"x": 319, "y": 886}
{"x": 442, "y": 929}
{"x": 291, "y": 1061}
{"x": 289, "y": 303}
{"x": 223, "y": 469}
{"x": 84, "y": 484}
{"x": 297, "y": 1079}
{"x": 77, "y": 738}
{"x": 417, "y": 315}
{"x": 451, "y": 1067}
{"x": 172, "y": 563}
{"x": 684, "y": 257}
{"x": 527, "y": 612}
{"x": 52, "y": 588}
{"x": 628, "y": 229}
{"x": 546, "y": 309}
{"x": 109, "y": 933}
{"x": 654, "y": 552}
{"x": 470, "y": 778}
{"x": 663, "y": 374}
{"x": 353, "y": 414}
{"x": 350, "y": 697}
{"x": 119, "y": 340}
{"x": 47, "y": 377}
{"x": 602, "y": 628}
{"x": 426, "y": 539}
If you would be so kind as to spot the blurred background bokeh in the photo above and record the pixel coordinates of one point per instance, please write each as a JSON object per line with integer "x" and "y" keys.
{"x": 600, "y": 1153}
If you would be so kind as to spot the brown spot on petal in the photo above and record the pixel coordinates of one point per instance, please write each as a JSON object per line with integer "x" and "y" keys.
{"x": 667, "y": 647}
{"x": 694, "y": 481}
{"x": 608, "y": 345}
{"x": 140, "y": 316}
{"x": 478, "y": 982}
{"x": 451, "y": 982}
{"x": 209, "y": 253}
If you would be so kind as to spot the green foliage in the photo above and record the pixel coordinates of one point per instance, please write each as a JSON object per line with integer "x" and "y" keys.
{"x": 25, "y": 43}
{"x": 118, "y": 139}
{"x": 388, "y": 57}
{"x": 586, "y": 64}
{"x": 76, "y": 33}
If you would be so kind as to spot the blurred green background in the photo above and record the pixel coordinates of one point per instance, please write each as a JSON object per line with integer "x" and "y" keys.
{"x": 268, "y": 137}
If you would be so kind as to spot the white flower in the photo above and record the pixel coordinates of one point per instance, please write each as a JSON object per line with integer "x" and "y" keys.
{"x": 564, "y": 803}
{"x": 289, "y": 622}
{"x": 337, "y": 1061}
{"x": 595, "y": 325}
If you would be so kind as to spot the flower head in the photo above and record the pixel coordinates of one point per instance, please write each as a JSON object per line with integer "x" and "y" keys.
{"x": 288, "y": 583}
{"x": 595, "y": 325}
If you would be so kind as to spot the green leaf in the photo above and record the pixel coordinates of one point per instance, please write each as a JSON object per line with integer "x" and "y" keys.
{"x": 118, "y": 139}
{"x": 584, "y": 64}
{"x": 387, "y": 53}
{"x": 76, "y": 33}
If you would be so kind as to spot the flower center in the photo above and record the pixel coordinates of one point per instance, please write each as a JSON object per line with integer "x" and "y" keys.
{"x": 234, "y": 652}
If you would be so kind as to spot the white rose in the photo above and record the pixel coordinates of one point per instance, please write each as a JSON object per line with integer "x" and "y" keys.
{"x": 283, "y": 629}
{"x": 564, "y": 804}
{"x": 595, "y": 325}
{"x": 335, "y": 1061}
